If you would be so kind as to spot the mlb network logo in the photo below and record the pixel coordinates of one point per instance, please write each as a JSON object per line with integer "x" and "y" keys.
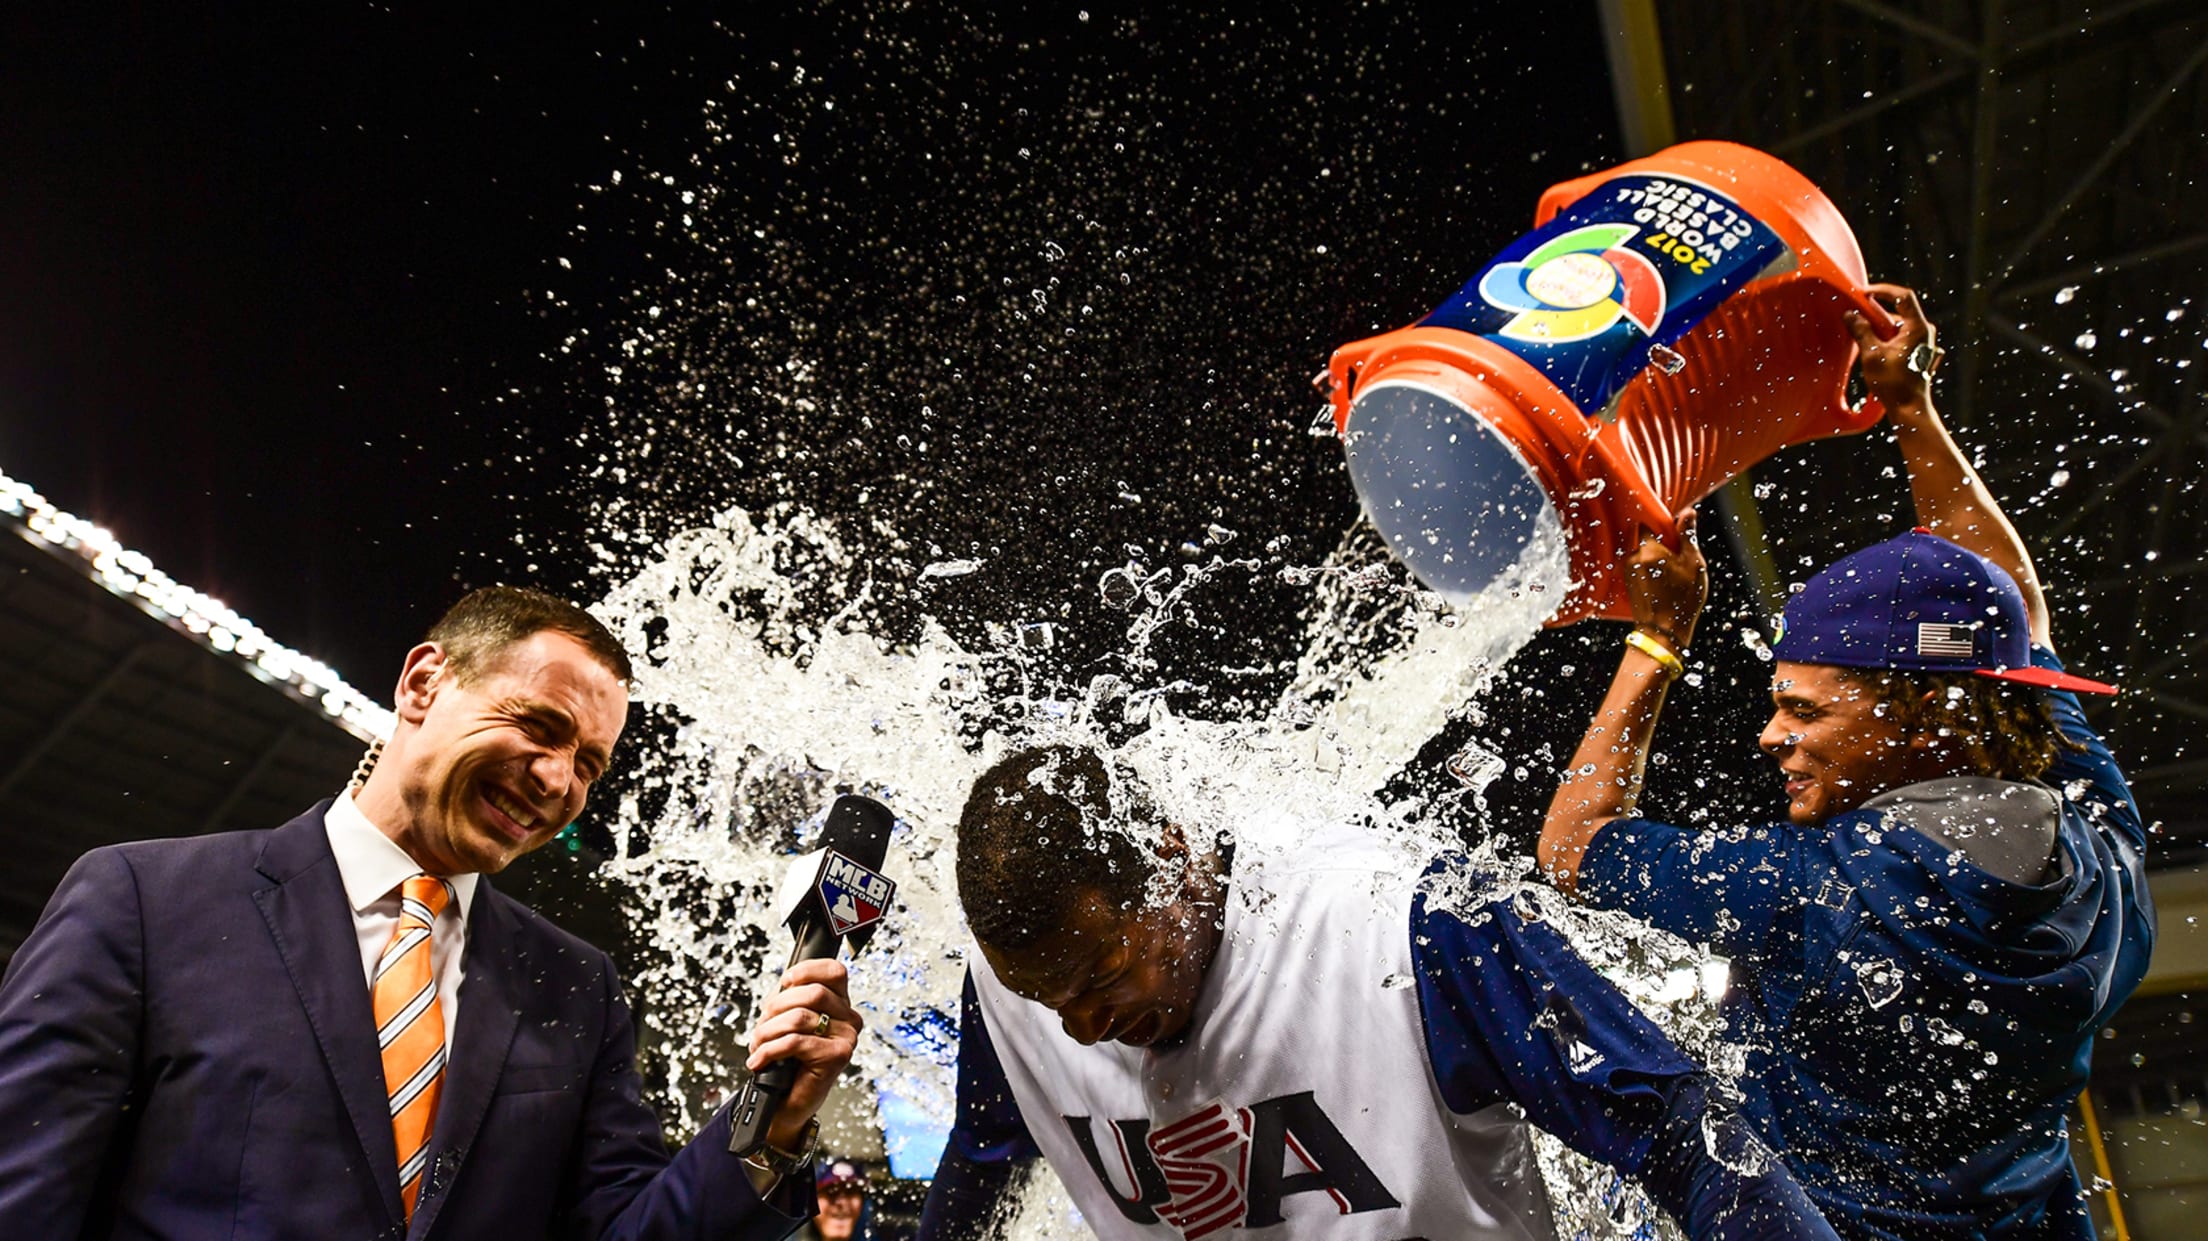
{"x": 854, "y": 896}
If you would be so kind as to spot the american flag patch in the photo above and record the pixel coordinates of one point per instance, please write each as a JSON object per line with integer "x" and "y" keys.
{"x": 1952, "y": 641}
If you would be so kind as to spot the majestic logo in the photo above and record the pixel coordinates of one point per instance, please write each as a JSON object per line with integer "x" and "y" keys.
{"x": 1222, "y": 1167}
{"x": 854, "y": 896}
{"x": 1575, "y": 286}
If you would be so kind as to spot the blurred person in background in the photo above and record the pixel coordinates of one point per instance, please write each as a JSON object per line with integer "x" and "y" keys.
{"x": 840, "y": 1185}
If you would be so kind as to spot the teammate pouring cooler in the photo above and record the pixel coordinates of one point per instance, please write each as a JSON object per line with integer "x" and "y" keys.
{"x": 1924, "y": 951}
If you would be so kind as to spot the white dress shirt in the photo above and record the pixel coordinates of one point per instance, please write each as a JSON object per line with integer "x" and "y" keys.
{"x": 372, "y": 867}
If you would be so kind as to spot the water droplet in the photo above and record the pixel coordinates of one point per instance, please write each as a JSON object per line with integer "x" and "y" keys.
{"x": 1122, "y": 586}
{"x": 2086, "y": 340}
{"x": 2064, "y": 294}
{"x": 1880, "y": 979}
{"x": 2060, "y": 478}
{"x": 1396, "y": 982}
{"x": 1666, "y": 359}
{"x": 949, "y": 568}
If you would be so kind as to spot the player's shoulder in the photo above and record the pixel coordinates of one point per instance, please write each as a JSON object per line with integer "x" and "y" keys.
{"x": 1302, "y": 876}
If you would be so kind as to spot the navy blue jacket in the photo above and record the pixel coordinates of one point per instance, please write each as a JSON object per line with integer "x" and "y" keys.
{"x": 1916, "y": 1027}
{"x": 1511, "y": 1014}
{"x": 187, "y": 1050}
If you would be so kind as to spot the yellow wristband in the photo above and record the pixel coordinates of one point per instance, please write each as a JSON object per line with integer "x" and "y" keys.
{"x": 1647, "y": 645}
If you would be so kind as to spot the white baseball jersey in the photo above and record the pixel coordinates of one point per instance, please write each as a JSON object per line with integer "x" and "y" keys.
{"x": 1301, "y": 1103}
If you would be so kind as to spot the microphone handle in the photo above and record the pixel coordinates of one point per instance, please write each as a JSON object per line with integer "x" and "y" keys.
{"x": 754, "y": 1109}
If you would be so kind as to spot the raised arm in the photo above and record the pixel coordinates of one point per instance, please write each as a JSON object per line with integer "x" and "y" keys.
{"x": 1668, "y": 589}
{"x": 1951, "y": 500}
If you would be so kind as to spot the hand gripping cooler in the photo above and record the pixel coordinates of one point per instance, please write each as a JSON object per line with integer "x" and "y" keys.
{"x": 1668, "y": 323}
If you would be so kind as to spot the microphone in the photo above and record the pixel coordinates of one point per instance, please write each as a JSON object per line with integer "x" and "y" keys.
{"x": 832, "y": 894}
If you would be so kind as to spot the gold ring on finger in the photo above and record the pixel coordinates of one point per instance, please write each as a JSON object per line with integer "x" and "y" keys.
{"x": 820, "y": 1028}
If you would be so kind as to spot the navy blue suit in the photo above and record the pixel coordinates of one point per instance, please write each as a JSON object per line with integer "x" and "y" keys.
{"x": 187, "y": 1050}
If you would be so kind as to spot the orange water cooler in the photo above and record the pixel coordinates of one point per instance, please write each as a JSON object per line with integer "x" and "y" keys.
{"x": 1669, "y": 323}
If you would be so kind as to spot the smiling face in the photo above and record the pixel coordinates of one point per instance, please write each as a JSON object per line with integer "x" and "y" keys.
{"x": 1836, "y": 744}
{"x": 840, "y": 1207}
{"x": 1132, "y": 978}
{"x": 487, "y": 767}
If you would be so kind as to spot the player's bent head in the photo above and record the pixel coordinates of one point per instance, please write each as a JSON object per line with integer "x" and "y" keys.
{"x": 1042, "y": 829}
{"x": 1083, "y": 900}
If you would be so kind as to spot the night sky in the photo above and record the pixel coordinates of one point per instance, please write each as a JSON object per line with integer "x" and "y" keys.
{"x": 261, "y": 275}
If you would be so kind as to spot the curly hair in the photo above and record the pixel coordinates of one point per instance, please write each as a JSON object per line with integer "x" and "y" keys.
{"x": 1039, "y": 830}
{"x": 1999, "y": 728}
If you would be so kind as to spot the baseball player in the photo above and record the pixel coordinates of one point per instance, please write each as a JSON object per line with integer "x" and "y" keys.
{"x": 1924, "y": 951}
{"x": 1293, "y": 1035}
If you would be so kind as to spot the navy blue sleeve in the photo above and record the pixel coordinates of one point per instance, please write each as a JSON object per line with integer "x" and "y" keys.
{"x": 2089, "y": 777}
{"x": 1513, "y": 1014}
{"x": 989, "y": 1142}
{"x": 989, "y": 1128}
{"x": 1724, "y": 890}
{"x": 71, "y": 1009}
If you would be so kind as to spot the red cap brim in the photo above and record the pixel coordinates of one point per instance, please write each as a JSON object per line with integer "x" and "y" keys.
{"x": 2048, "y": 678}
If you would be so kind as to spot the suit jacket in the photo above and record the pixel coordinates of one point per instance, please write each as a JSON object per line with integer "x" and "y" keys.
{"x": 187, "y": 1050}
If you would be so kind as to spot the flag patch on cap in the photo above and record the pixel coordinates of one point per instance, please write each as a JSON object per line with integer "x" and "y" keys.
{"x": 1947, "y": 641}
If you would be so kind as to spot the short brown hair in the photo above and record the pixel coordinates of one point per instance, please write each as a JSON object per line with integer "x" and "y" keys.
{"x": 475, "y": 630}
{"x": 2000, "y": 729}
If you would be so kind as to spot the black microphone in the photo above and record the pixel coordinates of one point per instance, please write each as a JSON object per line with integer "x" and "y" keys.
{"x": 833, "y": 894}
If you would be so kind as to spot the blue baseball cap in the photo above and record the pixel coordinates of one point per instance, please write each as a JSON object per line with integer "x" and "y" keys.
{"x": 1918, "y": 603}
{"x": 834, "y": 1172}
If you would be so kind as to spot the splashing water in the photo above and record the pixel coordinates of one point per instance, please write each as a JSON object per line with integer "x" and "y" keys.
{"x": 984, "y": 350}
{"x": 773, "y": 695}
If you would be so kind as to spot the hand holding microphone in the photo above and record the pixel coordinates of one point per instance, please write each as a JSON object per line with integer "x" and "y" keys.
{"x": 808, "y": 1029}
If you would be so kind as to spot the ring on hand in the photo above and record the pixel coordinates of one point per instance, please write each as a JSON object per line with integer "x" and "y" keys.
{"x": 1924, "y": 359}
{"x": 820, "y": 1028}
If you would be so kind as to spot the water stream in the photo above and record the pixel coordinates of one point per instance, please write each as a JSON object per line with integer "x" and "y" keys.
{"x": 770, "y": 691}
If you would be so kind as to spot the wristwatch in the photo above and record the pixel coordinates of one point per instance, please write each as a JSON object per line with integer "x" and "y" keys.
{"x": 771, "y": 1158}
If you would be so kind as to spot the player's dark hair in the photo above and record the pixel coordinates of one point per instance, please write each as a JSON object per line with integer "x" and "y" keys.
{"x": 1041, "y": 828}
{"x": 2001, "y": 729}
{"x": 476, "y": 630}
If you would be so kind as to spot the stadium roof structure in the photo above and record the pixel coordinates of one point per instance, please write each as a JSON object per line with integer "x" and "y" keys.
{"x": 138, "y": 707}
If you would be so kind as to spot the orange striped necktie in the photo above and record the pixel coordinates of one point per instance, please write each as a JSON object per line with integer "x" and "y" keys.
{"x": 410, "y": 1026}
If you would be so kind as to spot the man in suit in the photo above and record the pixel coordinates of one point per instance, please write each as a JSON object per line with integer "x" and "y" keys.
{"x": 339, "y": 1029}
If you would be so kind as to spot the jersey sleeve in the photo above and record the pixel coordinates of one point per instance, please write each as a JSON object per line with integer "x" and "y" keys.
{"x": 1721, "y": 889}
{"x": 1513, "y": 1014}
{"x": 989, "y": 1143}
{"x": 989, "y": 1128}
{"x": 2089, "y": 776}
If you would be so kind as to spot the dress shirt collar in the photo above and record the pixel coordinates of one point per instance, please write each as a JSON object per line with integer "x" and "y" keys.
{"x": 372, "y": 864}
